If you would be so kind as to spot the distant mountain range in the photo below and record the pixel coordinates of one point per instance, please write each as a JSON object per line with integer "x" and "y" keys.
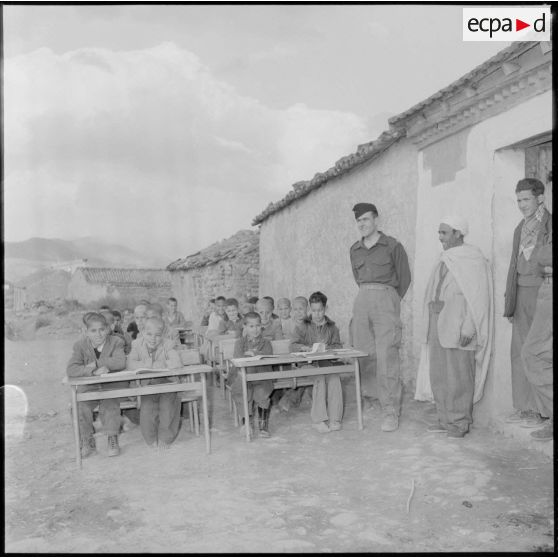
{"x": 29, "y": 256}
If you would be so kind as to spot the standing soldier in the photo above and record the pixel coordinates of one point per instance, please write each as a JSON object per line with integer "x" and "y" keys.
{"x": 381, "y": 270}
{"x": 522, "y": 286}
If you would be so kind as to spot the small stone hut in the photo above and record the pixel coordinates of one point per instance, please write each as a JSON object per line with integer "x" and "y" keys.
{"x": 89, "y": 284}
{"x": 229, "y": 268}
{"x": 48, "y": 285}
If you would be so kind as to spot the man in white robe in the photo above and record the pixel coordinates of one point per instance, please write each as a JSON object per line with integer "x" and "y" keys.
{"x": 458, "y": 312}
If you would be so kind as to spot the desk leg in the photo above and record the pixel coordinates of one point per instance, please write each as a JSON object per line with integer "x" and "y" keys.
{"x": 357, "y": 386}
{"x": 75, "y": 421}
{"x": 206, "y": 432}
{"x": 245, "y": 401}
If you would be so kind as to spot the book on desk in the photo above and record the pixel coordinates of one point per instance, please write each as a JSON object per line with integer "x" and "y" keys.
{"x": 138, "y": 371}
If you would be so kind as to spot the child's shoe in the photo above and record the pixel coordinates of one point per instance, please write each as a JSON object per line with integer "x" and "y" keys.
{"x": 334, "y": 425}
{"x": 113, "y": 448}
{"x": 321, "y": 427}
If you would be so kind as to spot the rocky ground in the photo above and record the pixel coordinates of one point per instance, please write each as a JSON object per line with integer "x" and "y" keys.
{"x": 299, "y": 491}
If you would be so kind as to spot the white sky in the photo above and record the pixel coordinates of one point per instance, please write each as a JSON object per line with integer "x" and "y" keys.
{"x": 167, "y": 128}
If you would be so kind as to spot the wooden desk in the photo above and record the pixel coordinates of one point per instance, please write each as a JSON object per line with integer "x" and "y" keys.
{"x": 244, "y": 364}
{"x": 125, "y": 376}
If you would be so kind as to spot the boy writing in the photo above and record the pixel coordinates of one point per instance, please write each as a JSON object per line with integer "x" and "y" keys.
{"x": 251, "y": 344}
{"x": 327, "y": 396}
{"x": 159, "y": 413}
{"x": 94, "y": 354}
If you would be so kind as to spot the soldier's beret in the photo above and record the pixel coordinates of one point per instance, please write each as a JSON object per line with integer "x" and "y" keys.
{"x": 362, "y": 208}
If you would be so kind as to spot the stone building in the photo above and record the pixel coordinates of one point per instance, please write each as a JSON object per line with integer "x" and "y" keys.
{"x": 462, "y": 150}
{"x": 229, "y": 268}
{"x": 46, "y": 285}
{"x": 89, "y": 284}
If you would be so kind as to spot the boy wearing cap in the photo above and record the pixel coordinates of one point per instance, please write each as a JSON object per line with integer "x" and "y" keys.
{"x": 381, "y": 270}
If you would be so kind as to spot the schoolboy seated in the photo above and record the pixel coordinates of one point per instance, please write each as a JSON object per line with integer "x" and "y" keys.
{"x": 173, "y": 317}
{"x": 252, "y": 343}
{"x": 111, "y": 322}
{"x": 271, "y": 328}
{"x": 234, "y": 324}
{"x": 159, "y": 413}
{"x": 327, "y": 396}
{"x": 293, "y": 396}
{"x": 271, "y": 301}
{"x": 287, "y": 321}
{"x": 209, "y": 309}
{"x": 136, "y": 326}
{"x": 217, "y": 319}
{"x": 96, "y": 353}
{"x": 156, "y": 311}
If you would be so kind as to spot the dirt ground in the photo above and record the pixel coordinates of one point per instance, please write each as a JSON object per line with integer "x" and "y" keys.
{"x": 297, "y": 492}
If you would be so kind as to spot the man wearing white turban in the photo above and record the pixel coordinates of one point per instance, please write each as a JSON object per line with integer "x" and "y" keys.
{"x": 458, "y": 332}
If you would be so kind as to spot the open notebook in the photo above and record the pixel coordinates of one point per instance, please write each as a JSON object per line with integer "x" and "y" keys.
{"x": 133, "y": 372}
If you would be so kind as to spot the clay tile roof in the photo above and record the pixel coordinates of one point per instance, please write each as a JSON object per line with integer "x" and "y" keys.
{"x": 364, "y": 153}
{"x": 397, "y": 130}
{"x": 144, "y": 277}
{"x": 242, "y": 242}
{"x": 470, "y": 77}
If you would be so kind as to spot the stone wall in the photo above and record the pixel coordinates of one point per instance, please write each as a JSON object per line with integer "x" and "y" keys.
{"x": 233, "y": 277}
{"x": 86, "y": 292}
{"x": 305, "y": 246}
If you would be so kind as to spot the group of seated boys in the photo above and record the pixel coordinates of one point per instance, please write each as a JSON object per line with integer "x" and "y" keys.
{"x": 303, "y": 323}
{"x": 152, "y": 342}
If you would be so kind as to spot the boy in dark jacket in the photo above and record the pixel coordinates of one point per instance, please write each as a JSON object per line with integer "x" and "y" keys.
{"x": 251, "y": 344}
{"x": 94, "y": 354}
{"x": 327, "y": 396}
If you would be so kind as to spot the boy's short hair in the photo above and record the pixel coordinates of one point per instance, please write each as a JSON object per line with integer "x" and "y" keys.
{"x": 104, "y": 307}
{"x": 94, "y": 317}
{"x": 156, "y": 322}
{"x": 301, "y": 299}
{"x": 108, "y": 315}
{"x": 266, "y": 301}
{"x": 272, "y": 302}
{"x": 533, "y": 184}
{"x": 283, "y": 300}
{"x": 85, "y": 316}
{"x": 251, "y": 316}
{"x": 117, "y": 314}
{"x": 155, "y": 307}
{"x": 220, "y": 298}
{"x": 318, "y": 297}
{"x": 172, "y": 299}
{"x": 253, "y": 299}
{"x": 231, "y": 302}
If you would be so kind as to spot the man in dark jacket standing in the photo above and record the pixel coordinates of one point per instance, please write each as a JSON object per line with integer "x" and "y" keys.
{"x": 522, "y": 287}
